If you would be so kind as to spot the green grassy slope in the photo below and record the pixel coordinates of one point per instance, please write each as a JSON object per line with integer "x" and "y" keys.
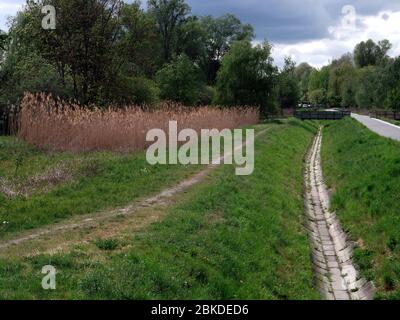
{"x": 232, "y": 237}
{"x": 100, "y": 181}
{"x": 364, "y": 171}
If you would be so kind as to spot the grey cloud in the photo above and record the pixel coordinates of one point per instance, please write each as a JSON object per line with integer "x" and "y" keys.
{"x": 290, "y": 21}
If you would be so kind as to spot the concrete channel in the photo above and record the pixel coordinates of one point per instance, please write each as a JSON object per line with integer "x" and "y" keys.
{"x": 336, "y": 275}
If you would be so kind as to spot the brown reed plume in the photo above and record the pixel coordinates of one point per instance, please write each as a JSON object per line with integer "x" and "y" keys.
{"x": 55, "y": 125}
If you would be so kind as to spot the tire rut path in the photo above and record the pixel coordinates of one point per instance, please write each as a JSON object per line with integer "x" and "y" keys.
{"x": 93, "y": 220}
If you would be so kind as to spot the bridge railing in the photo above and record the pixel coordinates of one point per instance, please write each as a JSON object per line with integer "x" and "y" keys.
{"x": 321, "y": 115}
{"x": 387, "y": 114}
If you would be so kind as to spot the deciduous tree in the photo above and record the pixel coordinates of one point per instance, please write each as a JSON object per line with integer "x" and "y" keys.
{"x": 248, "y": 77}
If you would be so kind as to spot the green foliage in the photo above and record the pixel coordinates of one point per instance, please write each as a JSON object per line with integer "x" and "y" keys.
{"x": 169, "y": 15}
{"x": 24, "y": 70}
{"x": 136, "y": 90}
{"x": 3, "y": 44}
{"x": 180, "y": 81}
{"x": 318, "y": 97}
{"x": 288, "y": 86}
{"x": 139, "y": 48}
{"x": 366, "y": 93}
{"x": 368, "y": 79}
{"x": 83, "y": 45}
{"x": 370, "y": 54}
{"x": 220, "y": 33}
{"x": 393, "y": 99}
{"x": 391, "y": 82}
{"x": 248, "y": 77}
{"x": 107, "y": 244}
{"x": 207, "y": 96}
{"x": 111, "y": 52}
{"x": 348, "y": 91}
{"x": 191, "y": 39}
{"x": 303, "y": 72}
{"x": 108, "y": 52}
{"x": 341, "y": 72}
{"x": 319, "y": 79}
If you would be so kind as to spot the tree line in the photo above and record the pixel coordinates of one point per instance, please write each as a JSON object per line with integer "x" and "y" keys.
{"x": 367, "y": 78}
{"x": 108, "y": 52}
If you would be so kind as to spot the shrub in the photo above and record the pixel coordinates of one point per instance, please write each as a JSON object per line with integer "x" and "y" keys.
{"x": 318, "y": 96}
{"x": 180, "y": 81}
{"x": 136, "y": 90}
{"x": 106, "y": 244}
{"x": 207, "y": 95}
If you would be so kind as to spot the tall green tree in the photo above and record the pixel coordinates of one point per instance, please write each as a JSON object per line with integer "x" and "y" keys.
{"x": 138, "y": 45}
{"x": 205, "y": 40}
{"x": 319, "y": 79}
{"x": 391, "y": 83}
{"x": 220, "y": 34}
{"x": 180, "y": 81}
{"x": 24, "y": 69}
{"x": 318, "y": 85}
{"x": 371, "y": 54}
{"x": 83, "y": 45}
{"x": 367, "y": 84}
{"x": 169, "y": 16}
{"x": 191, "y": 39}
{"x": 248, "y": 77}
{"x": 288, "y": 85}
{"x": 341, "y": 69}
{"x": 303, "y": 73}
{"x": 318, "y": 97}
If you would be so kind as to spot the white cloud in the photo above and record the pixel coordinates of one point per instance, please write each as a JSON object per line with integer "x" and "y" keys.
{"x": 343, "y": 39}
{"x": 8, "y": 8}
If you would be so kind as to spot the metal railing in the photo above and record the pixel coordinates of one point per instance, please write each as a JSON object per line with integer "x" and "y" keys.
{"x": 387, "y": 114}
{"x": 321, "y": 115}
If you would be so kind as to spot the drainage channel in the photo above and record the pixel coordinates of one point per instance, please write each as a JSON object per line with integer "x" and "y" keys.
{"x": 336, "y": 276}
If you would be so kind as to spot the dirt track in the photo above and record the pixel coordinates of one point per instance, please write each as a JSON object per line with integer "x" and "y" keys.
{"x": 54, "y": 235}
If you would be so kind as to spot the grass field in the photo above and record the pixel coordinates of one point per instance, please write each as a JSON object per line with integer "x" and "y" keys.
{"x": 363, "y": 170}
{"x": 51, "y": 187}
{"x": 230, "y": 237}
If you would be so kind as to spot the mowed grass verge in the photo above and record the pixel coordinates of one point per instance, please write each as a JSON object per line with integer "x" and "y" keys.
{"x": 364, "y": 171}
{"x": 231, "y": 238}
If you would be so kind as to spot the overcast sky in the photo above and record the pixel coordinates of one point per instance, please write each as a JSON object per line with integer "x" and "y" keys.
{"x": 309, "y": 30}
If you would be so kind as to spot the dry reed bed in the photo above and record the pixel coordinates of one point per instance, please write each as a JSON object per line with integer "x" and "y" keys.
{"x": 55, "y": 125}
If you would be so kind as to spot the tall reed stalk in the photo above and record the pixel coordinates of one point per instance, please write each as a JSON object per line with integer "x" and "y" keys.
{"x": 55, "y": 125}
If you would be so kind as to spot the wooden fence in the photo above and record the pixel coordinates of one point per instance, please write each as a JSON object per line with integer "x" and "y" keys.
{"x": 387, "y": 114}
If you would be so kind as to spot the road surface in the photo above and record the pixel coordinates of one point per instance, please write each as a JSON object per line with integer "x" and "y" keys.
{"x": 381, "y": 127}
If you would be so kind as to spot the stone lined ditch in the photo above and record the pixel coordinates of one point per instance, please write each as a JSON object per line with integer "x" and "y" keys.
{"x": 335, "y": 273}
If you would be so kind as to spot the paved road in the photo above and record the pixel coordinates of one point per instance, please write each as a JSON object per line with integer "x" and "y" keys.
{"x": 383, "y": 128}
